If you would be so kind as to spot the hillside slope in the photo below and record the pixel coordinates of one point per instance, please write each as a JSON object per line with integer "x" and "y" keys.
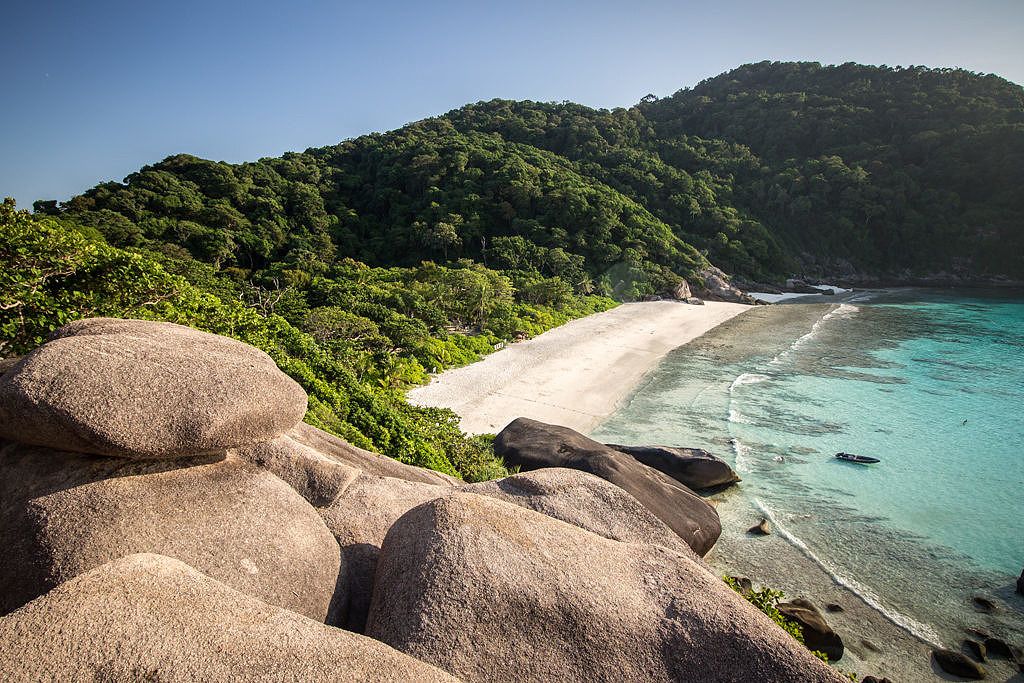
{"x": 766, "y": 170}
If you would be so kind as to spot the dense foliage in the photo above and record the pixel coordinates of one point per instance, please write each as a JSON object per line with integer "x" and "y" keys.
{"x": 355, "y": 338}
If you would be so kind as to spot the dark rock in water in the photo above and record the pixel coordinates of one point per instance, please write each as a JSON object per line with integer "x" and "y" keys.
{"x": 692, "y": 467}
{"x": 1020, "y": 582}
{"x": 694, "y": 301}
{"x": 532, "y": 445}
{"x": 873, "y": 679}
{"x": 827, "y": 292}
{"x": 762, "y": 528}
{"x": 979, "y": 633}
{"x": 958, "y": 664}
{"x": 974, "y": 649}
{"x": 998, "y": 647}
{"x": 984, "y": 604}
{"x": 818, "y": 635}
{"x": 745, "y": 584}
{"x": 833, "y": 607}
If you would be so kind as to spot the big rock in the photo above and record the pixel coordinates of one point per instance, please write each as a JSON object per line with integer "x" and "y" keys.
{"x": 148, "y": 617}
{"x": 139, "y": 389}
{"x": 63, "y": 513}
{"x": 585, "y": 501}
{"x": 818, "y": 635}
{"x": 492, "y": 592}
{"x": 361, "y": 517}
{"x": 530, "y": 445}
{"x": 694, "y": 468}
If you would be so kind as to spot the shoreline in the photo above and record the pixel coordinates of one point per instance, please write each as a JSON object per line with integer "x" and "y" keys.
{"x": 574, "y": 375}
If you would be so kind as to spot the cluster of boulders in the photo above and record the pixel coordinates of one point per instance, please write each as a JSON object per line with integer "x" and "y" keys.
{"x": 165, "y": 515}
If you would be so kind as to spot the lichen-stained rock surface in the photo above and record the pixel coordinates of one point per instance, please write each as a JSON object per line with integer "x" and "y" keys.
{"x": 141, "y": 389}
{"x": 493, "y": 592}
{"x": 64, "y": 513}
{"x": 149, "y": 617}
{"x": 531, "y": 445}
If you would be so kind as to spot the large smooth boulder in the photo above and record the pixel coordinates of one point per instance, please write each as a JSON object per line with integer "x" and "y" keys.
{"x": 585, "y": 501}
{"x": 694, "y": 468}
{"x": 63, "y": 513}
{"x": 531, "y": 445}
{"x": 361, "y": 516}
{"x": 492, "y": 592}
{"x": 140, "y": 389}
{"x": 149, "y": 617}
{"x": 818, "y": 635}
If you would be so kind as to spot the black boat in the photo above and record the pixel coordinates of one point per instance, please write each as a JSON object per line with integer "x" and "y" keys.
{"x": 862, "y": 459}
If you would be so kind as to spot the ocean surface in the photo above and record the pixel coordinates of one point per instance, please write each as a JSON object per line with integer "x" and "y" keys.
{"x": 931, "y": 382}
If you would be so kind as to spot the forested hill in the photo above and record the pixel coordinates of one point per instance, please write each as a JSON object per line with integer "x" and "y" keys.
{"x": 770, "y": 169}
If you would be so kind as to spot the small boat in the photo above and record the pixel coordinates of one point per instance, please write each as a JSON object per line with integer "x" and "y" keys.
{"x": 863, "y": 459}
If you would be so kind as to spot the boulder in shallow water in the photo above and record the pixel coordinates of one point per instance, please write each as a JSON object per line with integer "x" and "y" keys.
{"x": 140, "y": 389}
{"x": 532, "y": 445}
{"x": 694, "y": 468}
{"x": 818, "y": 635}
{"x": 149, "y": 617}
{"x": 983, "y": 604}
{"x": 66, "y": 513}
{"x": 975, "y": 649}
{"x": 493, "y": 592}
{"x": 958, "y": 664}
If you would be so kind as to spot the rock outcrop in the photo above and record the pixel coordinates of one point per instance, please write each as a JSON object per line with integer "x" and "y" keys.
{"x": 531, "y": 445}
{"x": 718, "y": 288}
{"x": 492, "y": 592}
{"x": 65, "y": 513}
{"x": 694, "y": 468}
{"x": 149, "y": 617}
{"x": 139, "y": 389}
{"x": 818, "y": 635}
{"x": 958, "y": 664}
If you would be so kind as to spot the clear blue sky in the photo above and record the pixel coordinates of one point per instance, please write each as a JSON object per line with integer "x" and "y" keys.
{"x": 94, "y": 90}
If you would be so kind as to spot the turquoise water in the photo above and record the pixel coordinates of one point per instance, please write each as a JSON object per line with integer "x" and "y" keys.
{"x": 930, "y": 382}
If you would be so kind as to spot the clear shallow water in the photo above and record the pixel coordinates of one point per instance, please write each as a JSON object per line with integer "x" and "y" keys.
{"x": 930, "y": 382}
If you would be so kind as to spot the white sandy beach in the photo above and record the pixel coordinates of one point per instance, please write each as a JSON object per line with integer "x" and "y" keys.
{"x": 574, "y": 375}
